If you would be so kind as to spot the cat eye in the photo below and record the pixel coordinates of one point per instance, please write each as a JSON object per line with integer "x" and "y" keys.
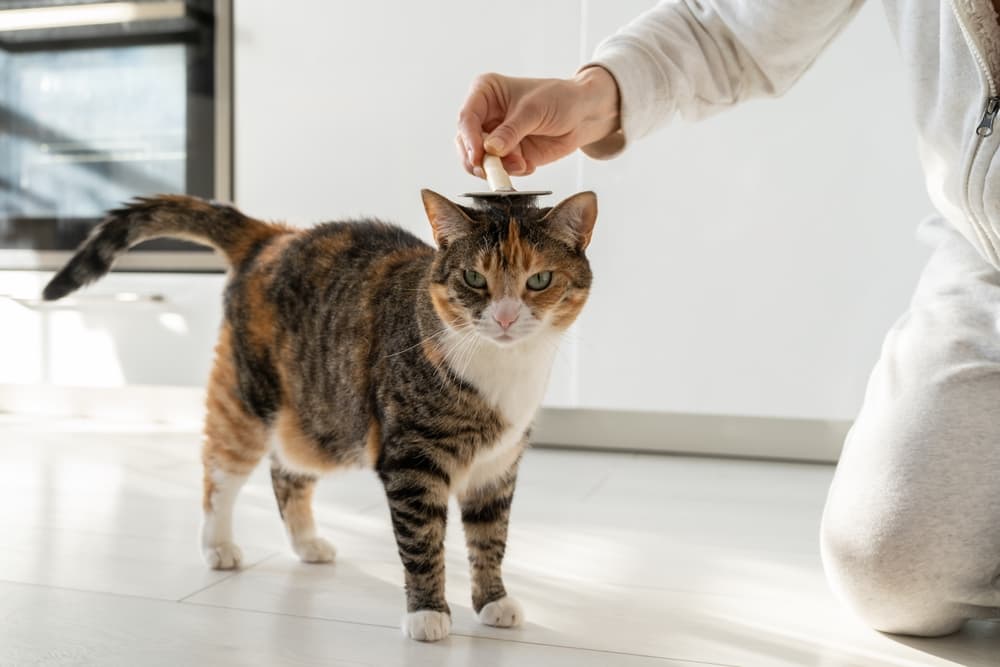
{"x": 474, "y": 279}
{"x": 540, "y": 280}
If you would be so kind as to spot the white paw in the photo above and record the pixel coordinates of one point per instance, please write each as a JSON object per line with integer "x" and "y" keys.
{"x": 427, "y": 626}
{"x": 503, "y": 613}
{"x": 225, "y": 556}
{"x": 315, "y": 550}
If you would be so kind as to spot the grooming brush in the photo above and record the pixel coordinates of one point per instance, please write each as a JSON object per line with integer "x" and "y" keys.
{"x": 501, "y": 189}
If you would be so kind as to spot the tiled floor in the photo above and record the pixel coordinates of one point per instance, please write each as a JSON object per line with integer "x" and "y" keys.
{"x": 618, "y": 559}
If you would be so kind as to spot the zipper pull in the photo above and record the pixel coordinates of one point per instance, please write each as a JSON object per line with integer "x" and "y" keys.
{"x": 985, "y": 128}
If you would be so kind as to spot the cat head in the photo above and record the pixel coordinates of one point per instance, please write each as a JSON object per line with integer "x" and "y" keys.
{"x": 508, "y": 269}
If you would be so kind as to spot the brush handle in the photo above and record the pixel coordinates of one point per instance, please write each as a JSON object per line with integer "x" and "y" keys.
{"x": 496, "y": 175}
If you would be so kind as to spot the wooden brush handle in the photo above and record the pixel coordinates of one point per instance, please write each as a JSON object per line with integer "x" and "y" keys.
{"x": 496, "y": 175}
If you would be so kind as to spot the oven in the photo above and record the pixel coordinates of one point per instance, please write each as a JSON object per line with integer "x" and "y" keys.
{"x": 104, "y": 101}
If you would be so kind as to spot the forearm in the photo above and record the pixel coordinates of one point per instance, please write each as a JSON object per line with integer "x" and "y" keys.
{"x": 696, "y": 59}
{"x": 598, "y": 92}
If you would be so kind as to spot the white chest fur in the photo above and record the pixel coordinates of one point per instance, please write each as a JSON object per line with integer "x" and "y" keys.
{"x": 513, "y": 380}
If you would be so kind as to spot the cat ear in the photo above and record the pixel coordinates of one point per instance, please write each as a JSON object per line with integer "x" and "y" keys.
{"x": 447, "y": 219}
{"x": 572, "y": 220}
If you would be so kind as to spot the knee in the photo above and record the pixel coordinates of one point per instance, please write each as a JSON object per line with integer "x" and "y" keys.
{"x": 883, "y": 574}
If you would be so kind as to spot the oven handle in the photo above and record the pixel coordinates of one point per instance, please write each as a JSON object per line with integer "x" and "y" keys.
{"x": 121, "y": 298}
{"x": 100, "y": 23}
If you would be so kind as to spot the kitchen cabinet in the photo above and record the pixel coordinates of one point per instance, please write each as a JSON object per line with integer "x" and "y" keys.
{"x": 127, "y": 329}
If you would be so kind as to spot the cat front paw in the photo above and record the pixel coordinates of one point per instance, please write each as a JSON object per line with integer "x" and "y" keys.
{"x": 426, "y": 625}
{"x": 224, "y": 556}
{"x": 315, "y": 550}
{"x": 503, "y": 613}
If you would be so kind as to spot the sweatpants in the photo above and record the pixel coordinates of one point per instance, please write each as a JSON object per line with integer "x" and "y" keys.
{"x": 911, "y": 530}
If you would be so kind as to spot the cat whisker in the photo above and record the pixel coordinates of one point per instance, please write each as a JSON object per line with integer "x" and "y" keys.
{"x": 458, "y": 353}
{"x": 439, "y": 332}
{"x": 469, "y": 353}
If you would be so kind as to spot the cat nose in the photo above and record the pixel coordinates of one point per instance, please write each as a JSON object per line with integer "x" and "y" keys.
{"x": 505, "y": 322}
{"x": 506, "y": 312}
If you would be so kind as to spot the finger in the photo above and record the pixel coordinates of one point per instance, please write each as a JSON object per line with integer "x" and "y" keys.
{"x": 514, "y": 162}
{"x": 463, "y": 156}
{"x": 522, "y": 120}
{"x": 471, "y": 119}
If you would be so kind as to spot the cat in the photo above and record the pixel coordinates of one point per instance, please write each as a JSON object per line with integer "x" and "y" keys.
{"x": 357, "y": 344}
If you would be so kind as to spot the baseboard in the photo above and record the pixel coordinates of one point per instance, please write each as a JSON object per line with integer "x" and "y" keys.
{"x": 704, "y": 435}
{"x": 707, "y": 435}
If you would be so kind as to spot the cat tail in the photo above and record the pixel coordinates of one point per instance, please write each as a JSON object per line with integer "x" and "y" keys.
{"x": 178, "y": 216}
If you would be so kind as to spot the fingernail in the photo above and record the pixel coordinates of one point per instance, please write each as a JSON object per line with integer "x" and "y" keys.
{"x": 478, "y": 171}
{"x": 494, "y": 144}
{"x": 468, "y": 151}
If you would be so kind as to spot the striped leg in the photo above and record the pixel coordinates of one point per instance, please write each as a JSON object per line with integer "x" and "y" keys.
{"x": 294, "y": 495}
{"x": 417, "y": 490}
{"x": 485, "y": 513}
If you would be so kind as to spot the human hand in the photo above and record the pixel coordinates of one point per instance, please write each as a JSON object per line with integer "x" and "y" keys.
{"x": 531, "y": 122}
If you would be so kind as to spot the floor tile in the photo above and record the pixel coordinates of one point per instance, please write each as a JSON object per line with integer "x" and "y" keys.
{"x": 57, "y": 627}
{"x": 618, "y": 558}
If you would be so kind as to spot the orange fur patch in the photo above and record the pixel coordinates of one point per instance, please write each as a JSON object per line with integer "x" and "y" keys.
{"x": 262, "y": 316}
{"x": 433, "y": 353}
{"x": 568, "y": 310}
{"x": 373, "y": 442}
{"x": 235, "y": 440}
{"x": 448, "y": 312}
{"x": 521, "y": 255}
{"x": 257, "y": 232}
{"x": 297, "y": 512}
{"x": 330, "y": 246}
{"x": 301, "y": 452}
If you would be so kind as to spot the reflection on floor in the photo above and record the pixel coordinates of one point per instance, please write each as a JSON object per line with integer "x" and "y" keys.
{"x": 619, "y": 559}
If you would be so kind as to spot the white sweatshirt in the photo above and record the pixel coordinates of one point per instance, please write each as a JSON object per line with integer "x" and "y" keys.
{"x": 696, "y": 57}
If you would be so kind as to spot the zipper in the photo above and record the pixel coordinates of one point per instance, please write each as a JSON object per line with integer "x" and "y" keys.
{"x": 970, "y": 42}
{"x": 985, "y": 128}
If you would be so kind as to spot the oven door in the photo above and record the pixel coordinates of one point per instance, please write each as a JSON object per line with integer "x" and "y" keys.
{"x": 101, "y": 102}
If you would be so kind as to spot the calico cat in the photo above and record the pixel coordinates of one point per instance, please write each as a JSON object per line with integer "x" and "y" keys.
{"x": 356, "y": 344}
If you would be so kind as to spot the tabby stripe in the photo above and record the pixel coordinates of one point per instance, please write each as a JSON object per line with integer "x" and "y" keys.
{"x": 402, "y": 530}
{"x": 406, "y": 492}
{"x": 410, "y": 518}
{"x": 490, "y": 513}
{"x": 419, "y": 550}
{"x": 488, "y": 545}
{"x": 416, "y": 567}
{"x": 426, "y": 431}
{"x": 415, "y": 519}
{"x": 410, "y": 459}
{"x": 427, "y": 511}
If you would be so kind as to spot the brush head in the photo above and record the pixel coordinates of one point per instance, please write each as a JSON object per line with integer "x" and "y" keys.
{"x": 501, "y": 189}
{"x": 507, "y": 194}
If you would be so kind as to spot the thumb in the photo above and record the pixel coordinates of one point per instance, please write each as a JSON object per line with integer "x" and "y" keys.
{"x": 522, "y": 121}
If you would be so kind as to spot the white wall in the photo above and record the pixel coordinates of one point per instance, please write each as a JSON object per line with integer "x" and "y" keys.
{"x": 753, "y": 261}
{"x": 745, "y": 265}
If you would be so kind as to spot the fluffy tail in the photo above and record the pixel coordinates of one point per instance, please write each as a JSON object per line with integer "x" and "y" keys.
{"x": 189, "y": 218}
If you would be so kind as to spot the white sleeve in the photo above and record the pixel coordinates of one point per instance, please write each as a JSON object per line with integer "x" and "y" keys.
{"x": 697, "y": 57}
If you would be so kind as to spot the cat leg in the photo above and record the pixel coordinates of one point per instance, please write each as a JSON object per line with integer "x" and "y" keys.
{"x": 417, "y": 489}
{"x": 485, "y": 513}
{"x": 235, "y": 441}
{"x": 294, "y": 495}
